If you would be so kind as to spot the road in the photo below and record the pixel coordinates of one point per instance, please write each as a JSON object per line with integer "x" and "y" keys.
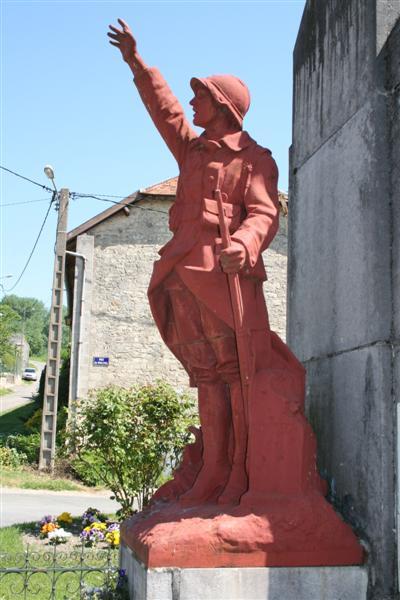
{"x": 23, "y": 506}
{"x": 22, "y": 393}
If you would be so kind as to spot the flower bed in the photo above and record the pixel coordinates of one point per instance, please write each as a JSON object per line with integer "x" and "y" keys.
{"x": 93, "y": 529}
{"x": 83, "y": 547}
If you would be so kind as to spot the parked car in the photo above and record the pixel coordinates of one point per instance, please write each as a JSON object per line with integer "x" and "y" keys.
{"x": 30, "y": 374}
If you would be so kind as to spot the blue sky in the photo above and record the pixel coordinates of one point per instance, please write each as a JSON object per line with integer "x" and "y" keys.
{"x": 68, "y": 99}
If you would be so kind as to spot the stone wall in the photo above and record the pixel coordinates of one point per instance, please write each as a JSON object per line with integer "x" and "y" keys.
{"x": 343, "y": 258}
{"x": 121, "y": 326}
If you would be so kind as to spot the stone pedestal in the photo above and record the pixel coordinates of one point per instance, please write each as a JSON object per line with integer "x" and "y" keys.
{"x": 285, "y": 531}
{"x": 296, "y": 583}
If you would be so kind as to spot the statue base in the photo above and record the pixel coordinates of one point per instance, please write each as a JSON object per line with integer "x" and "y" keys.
{"x": 268, "y": 583}
{"x": 282, "y": 531}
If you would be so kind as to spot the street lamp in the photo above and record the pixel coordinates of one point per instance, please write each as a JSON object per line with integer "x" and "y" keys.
{"x": 49, "y": 171}
{"x": 4, "y": 277}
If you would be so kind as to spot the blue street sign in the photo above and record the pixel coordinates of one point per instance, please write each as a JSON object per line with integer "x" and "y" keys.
{"x": 101, "y": 361}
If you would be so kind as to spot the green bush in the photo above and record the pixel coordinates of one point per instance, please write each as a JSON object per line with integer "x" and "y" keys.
{"x": 10, "y": 458}
{"x": 129, "y": 437}
{"x": 34, "y": 423}
{"x": 87, "y": 468}
{"x": 29, "y": 445}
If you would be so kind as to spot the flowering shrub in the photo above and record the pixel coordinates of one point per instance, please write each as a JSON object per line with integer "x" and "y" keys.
{"x": 47, "y": 525}
{"x": 58, "y": 536}
{"x": 112, "y": 538}
{"x": 91, "y": 515}
{"x": 101, "y": 532}
{"x": 48, "y": 528}
{"x": 92, "y": 534}
{"x": 148, "y": 426}
{"x": 96, "y": 528}
{"x": 65, "y": 517}
{"x": 47, "y": 519}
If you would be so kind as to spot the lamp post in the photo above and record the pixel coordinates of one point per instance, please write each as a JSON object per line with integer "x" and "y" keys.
{"x": 49, "y": 171}
{"x": 4, "y": 277}
{"x": 50, "y": 400}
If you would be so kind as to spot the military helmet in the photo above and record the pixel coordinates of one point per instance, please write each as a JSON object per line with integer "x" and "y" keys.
{"x": 227, "y": 90}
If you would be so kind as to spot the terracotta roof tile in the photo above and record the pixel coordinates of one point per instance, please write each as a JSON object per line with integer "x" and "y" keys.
{"x": 164, "y": 188}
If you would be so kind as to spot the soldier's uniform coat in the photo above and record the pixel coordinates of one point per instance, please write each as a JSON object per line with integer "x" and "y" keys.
{"x": 247, "y": 176}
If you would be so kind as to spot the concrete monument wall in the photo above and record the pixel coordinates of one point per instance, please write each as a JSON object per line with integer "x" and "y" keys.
{"x": 343, "y": 272}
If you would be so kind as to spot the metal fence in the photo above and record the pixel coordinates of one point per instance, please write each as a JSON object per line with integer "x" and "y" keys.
{"x": 46, "y": 575}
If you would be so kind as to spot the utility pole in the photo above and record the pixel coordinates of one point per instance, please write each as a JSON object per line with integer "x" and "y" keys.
{"x": 50, "y": 400}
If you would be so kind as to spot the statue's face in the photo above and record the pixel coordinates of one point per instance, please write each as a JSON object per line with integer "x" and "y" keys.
{"x": 204, "y": 108}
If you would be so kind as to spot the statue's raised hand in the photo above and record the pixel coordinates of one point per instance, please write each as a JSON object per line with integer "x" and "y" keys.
{"x": 124, "y": 40}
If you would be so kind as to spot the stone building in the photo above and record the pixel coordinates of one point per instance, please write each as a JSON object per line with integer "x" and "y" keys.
{"x": 114, "y": 339}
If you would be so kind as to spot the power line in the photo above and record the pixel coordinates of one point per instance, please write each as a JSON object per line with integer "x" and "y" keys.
{"x": 74, "y": 195}
{"x": 24, "y": 202}
{"x": 50, "y": 190}
{"x": 104, "y": 195}
{"x": 34, "y": 245}
{"x": 27, "y": 179}
{"x": 78, "y": 195}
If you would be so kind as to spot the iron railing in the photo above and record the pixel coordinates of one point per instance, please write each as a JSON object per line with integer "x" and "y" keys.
{"x": 59, "y": 575}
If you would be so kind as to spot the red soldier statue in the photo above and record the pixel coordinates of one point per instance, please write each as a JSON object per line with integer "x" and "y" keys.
{"x": 207, "y": 300}
{"x": 188, "y": 292}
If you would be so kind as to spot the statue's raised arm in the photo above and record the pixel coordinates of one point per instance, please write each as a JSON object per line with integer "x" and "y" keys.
{"x": 164, "y": 109}
{"x": 125, "y": 41}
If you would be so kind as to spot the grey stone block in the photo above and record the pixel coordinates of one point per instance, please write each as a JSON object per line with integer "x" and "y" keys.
{"x": 339, "y": 242}
{"x": 145, "y": 584}
{"x": 350, "y": 406}
{"x": 387, "y": 13}
{"x": 394, "y": 129}
{"x": 296, "y": 583}
{"x": 333, "y": 57}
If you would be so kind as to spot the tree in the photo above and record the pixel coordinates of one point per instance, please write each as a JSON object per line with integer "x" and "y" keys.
{"x": 34, "y": 320}
{"x": 130, "y": 437}
{"x": 9, "y": 324}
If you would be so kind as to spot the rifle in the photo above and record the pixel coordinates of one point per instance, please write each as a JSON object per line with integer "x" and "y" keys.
{"x": 235, "y": 294}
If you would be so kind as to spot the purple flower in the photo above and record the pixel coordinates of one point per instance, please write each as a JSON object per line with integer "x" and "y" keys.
{"x": 121, "y": 578}
{"x": 47, "y": 519}
{"x": 91, "y": 515}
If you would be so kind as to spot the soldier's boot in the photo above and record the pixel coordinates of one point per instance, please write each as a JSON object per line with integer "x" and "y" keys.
{"x": 238, "y": 480}
{"x": 215, "y": 419}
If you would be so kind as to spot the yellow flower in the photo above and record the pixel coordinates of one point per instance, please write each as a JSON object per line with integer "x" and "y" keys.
{"x": 65, "y": 517}
{"x": 98, "y": 525}
{"x": 112, "y": 537}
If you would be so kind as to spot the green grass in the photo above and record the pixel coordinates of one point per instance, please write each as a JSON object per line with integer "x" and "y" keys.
{"x": 12, "y": 421}
{"x": 5, "y": 391}
{"x": 28, "y": 479}
{"x": 11, "y": 538}
{"x": 42, "y": 358}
